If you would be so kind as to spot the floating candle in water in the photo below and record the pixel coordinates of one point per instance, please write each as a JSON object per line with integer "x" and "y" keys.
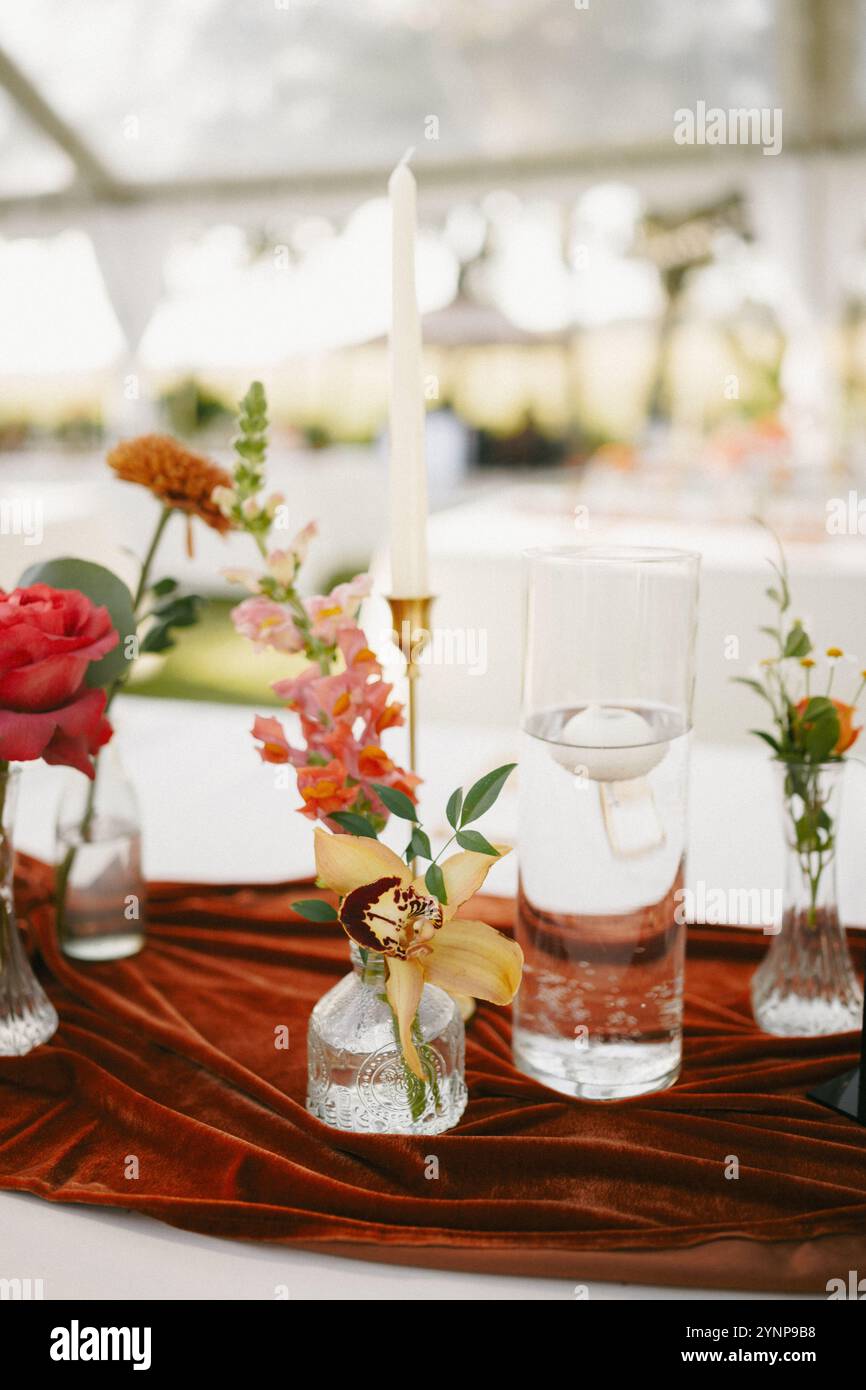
{"x": 608, "y": 743}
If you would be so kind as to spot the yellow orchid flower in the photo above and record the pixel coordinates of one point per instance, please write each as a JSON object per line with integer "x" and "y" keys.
{"x": 384, "y": 909}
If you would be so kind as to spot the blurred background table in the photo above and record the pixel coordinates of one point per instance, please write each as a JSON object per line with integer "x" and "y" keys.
{"x": 212, "y": 812}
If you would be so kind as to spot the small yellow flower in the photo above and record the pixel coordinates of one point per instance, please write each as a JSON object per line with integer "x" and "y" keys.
{"x": 834, "y": 653}
{"x": 807, "y": 663}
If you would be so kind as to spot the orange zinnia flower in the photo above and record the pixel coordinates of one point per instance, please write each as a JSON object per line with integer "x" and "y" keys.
{"x": 176, "y": 476}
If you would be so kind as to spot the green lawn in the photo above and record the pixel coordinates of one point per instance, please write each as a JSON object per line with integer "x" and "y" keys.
{"x": 211, "y": 662}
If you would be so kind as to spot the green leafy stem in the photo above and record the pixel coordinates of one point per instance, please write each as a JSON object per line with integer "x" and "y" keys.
{"x": 805, "y": 734}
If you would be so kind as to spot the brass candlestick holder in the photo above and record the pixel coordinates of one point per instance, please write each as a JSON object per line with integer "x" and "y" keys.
{"x": 411, "y": 619}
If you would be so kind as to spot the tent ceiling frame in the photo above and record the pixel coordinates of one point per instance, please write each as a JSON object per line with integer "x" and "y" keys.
{"x": 96, "y": 185}
{"x": 89, "y": 168}
{"x": 89, "y": 193}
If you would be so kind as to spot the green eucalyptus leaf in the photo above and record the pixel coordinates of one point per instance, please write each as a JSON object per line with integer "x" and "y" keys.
{"x": 163, "y": 587}
{"x": 768, "y": 738}
{"x": 818, "y": 706}
{"x": 419, "y": 845}
{"x": 483, "y": 794}
{"x": 179, "y": 612}
{"x": 797, "y": 643}
{"x": 398, "y": 803}
{"x": 452, "y": 810}
{"x": 157, "y": 639}
{"x": 822, "y": 737}
{"x": 104, "y": 589}
{"x": 354, "y": 824}
{"x": 435, "y": 881}
{"x": 315, "y": 910}
{"x": 474, "y": 840}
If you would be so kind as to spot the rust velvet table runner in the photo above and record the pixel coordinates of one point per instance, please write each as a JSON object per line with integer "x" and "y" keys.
{"x": 171, "y": 1058}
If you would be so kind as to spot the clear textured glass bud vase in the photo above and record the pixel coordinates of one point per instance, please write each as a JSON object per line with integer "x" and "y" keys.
{"x": 357, "y": 1079}
{"x": 806, "y": 985}
{"x": 100, "y": 888}
{"x": 27, "y": 1016}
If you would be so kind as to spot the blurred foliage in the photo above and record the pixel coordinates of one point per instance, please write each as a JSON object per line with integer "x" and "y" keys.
{"x": 190, "y": 407}
{"x": 81, "y": 430}
{"x": 213, "y": 663}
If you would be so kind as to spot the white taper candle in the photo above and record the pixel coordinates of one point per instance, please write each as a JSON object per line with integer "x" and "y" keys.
{"x": 408, "y": 468}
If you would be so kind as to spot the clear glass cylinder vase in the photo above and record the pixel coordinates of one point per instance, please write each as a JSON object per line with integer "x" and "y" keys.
{"x": 101, "y": 896}
{"x": 356, "y": 1077}
{"x": 608, "y": 684}
{"x": 27, "y": 1016}
{"x": 806, "y": 985}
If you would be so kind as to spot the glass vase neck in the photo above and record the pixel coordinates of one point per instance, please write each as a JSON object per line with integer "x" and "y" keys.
{"x": 369, "y": 965}
{"x": 9, "y": 778}
{"x": 811, "y": 796}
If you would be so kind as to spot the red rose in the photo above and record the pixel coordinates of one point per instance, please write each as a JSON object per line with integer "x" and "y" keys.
{"x": 48, "y": 638}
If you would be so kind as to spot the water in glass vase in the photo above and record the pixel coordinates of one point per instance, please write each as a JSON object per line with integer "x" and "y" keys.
{"x": 102, "y": 911}
{"x": 602, "y": 846}
{"x": 101, "y": 891}
{"x": 356, "y": 1077}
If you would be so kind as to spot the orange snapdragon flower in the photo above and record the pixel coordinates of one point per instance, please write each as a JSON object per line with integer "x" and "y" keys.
{"x": 324, "y": 789}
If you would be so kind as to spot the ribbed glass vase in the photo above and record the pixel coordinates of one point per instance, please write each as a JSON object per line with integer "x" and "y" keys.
{"x": 806, "y": 985}
{"x": 27, "y": 1016}
{"x": 356, "y": 1077}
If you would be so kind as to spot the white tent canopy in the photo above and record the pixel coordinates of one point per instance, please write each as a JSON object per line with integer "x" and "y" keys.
{"x": 143, "y": 99}
{"x": 142, "y": 125}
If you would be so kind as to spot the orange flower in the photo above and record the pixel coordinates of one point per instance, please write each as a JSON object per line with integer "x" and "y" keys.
{"x": 408, "y": 784}
{"x": 374, "y": 762}
{"x": 324, "y": 789}
{"x": 391, "y": 716}
{"x": 275, "y": 746}
{"x": 175, "y": 475}
{"x": 848, "y": 735}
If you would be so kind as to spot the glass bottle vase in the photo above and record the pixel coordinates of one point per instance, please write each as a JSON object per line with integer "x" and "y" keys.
{"x": 356, "y": 1077}
{"x": 27, "y": 1016}
{"x": 100, "y": 888}
{"x": 806, "y": 985}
